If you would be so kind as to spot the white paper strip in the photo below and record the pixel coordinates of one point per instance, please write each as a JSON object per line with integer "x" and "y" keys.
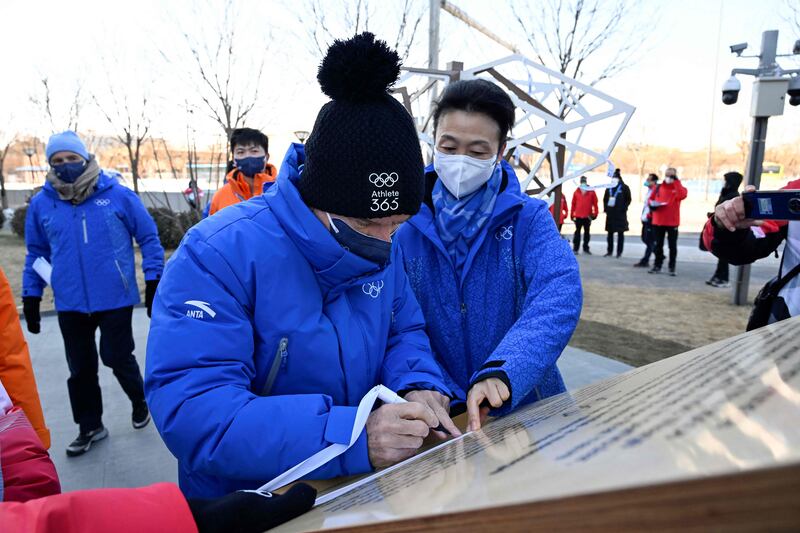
{"x": 43, "y": 268}
{"x": 334, "y": 450}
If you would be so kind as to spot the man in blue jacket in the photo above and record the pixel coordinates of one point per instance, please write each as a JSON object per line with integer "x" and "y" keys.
{"x": 81, "y": 223}
{"x": 499, "y": 288}
{"x": 276, "y": 315}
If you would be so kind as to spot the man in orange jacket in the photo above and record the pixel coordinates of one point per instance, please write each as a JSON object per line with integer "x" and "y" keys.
{"x": 16, "y": 372}
{"x": 584, "y": 210}
{"x": 250, "y": 150}
{"x": 665, "y": 204}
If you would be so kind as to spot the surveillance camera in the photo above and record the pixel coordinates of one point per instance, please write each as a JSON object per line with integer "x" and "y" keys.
{"x": 730, "y": 90}
{"x": 794, "y": 91}
{"x": 738, "y": 48}
{"x": 796, "y": 48}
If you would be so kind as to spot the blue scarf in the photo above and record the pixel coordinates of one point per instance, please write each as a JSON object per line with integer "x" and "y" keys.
{"x": 459, "y": 221}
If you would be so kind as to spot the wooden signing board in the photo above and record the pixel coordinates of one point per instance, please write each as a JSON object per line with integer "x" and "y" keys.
{"x": 707, "y": 439}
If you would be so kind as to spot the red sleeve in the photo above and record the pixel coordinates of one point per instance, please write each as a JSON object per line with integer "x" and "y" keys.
{"x": 574, "y": 201}
{"x": 681, "y": 190}
{"x": 595, "y": 211}
{"x": 159, "y": 507}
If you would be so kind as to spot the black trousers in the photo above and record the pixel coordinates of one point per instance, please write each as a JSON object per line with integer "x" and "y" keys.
{"x": 647, "y": 239}
{"x": 116, "y": 352}
{"x": 620, "y": 242}
{"x": 671, "y": 234}
{"x": 585, "y": 224}
{"x": 722, "y": 273}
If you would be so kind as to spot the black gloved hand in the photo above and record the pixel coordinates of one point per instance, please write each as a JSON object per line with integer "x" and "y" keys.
{"x": 150, "y": 287}
{"x": 246, "y": 512}
{"x": 30, "y": 308}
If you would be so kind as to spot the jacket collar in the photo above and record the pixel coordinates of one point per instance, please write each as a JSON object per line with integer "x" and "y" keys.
{"x": 335, "y": 268}
{"x": 510, "y": 199}
{"x": 104, "y": 181}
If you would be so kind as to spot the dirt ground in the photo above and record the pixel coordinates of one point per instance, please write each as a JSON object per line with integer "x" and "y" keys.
{"x": 641, "y": 325}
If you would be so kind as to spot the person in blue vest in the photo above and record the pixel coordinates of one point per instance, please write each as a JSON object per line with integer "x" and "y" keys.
{"x": 82, "y": 224}
{"x": 277, "y": 315}
{"x": 499, "y": 289}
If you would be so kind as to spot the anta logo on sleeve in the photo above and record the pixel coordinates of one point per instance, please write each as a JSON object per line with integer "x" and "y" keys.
{"x": 201, "y": 309}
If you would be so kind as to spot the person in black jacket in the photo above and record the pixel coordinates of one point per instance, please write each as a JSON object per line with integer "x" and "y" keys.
{"x": 729, "y": 191}
{"x": 616, "y": 200}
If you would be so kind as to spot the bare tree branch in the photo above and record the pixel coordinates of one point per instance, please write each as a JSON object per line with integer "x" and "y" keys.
{"x": 568, "y": 35}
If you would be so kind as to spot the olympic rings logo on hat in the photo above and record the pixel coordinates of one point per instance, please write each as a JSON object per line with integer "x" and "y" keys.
{"x": 383, "y": 179}
{"x": 373, "y": 288}
{"x": 102, "y": 202}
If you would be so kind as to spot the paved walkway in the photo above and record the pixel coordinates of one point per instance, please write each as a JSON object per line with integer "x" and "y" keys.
{"x": 129, "y": 457}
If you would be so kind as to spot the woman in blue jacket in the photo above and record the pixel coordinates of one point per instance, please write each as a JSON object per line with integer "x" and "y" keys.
{"x": 82, "y": 223}
{"x": 277, "y": 315}
{"x": 499, "y": 289}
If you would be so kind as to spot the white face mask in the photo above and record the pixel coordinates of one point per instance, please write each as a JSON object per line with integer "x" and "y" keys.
{"x": 462, "y": 175}
{"x": 614, "y": 182}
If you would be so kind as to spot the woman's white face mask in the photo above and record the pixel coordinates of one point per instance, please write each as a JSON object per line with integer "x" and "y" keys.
{"x": 461, "y": 174}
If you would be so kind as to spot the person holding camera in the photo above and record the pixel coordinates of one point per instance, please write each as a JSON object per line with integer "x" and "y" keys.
{"x": 584, "y": 210}
{"x": 665, "y": 204}
{"x": 734, "y": 238}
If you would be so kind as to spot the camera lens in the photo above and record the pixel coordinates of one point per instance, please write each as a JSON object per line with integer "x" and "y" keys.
{"x": 794, "y": 206}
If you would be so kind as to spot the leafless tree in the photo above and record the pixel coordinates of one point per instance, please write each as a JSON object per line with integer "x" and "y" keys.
{"x": 362, "y": 15}
{"x": 793, "y": 15}
{"x": 588, "y": 40}
{"x": 43, "y": 100}
{"x": 225, "y": 77}
{"x": 130, "y": 119}
{"x": 6, "y": 140}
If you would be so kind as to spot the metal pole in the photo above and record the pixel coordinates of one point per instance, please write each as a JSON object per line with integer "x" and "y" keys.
{"x": 755, "y": 161}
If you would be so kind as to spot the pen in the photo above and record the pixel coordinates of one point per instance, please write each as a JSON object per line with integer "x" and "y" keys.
{"x": 386, "y": 395}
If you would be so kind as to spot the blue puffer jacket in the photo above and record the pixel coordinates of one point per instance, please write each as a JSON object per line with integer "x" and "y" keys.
{"x": 262, "y": 286}
{"x": 515, "y": 305}
{"x": 89, "y": 246}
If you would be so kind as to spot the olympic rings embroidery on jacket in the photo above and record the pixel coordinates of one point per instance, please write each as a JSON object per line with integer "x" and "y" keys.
{"x": 373, "y": 288}
{"x": 504, "y": 233}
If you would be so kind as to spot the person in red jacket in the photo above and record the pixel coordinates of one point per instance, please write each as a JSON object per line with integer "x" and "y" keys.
{"x": 562, "y": 216}
{"x": 665, "y": 204}
{"x": 584, "y": 210}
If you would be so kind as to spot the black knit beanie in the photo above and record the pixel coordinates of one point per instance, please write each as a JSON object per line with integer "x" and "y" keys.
{"x": 363, "y": 158}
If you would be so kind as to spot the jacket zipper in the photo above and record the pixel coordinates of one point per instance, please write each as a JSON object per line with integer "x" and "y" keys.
{"x": 281, "y": 357}
{"x": 85, "y": 232}
{"x": 124, "y": 279}
{"x": 80, "y": 258}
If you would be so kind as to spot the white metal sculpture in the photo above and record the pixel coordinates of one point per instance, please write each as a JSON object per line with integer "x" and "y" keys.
{"x": 557, "y": 116}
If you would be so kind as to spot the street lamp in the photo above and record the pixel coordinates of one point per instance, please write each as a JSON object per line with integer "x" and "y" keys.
{"x": 770, "y": 87}
{"x": 301, "y": 135}
{"x": 30, "y": 151}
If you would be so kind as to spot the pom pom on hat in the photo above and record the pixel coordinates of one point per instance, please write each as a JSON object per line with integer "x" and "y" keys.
{"x": 358, "y": 69}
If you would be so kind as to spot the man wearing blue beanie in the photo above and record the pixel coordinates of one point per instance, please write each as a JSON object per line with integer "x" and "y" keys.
{"x": 82, "y": 223}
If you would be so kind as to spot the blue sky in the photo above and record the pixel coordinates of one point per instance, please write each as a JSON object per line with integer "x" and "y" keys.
{"x": 673, "y": 84}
